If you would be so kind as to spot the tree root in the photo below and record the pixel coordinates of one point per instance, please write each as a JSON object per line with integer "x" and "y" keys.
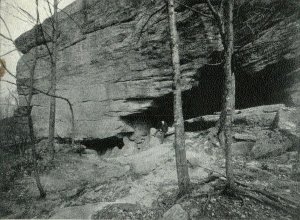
{"x": 286, "y": 207}
{"x": 241, "y": 190}
{"x": 264, "y": 197}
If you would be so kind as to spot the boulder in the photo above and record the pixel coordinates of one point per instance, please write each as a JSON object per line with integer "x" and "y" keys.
{"x": 115, "y": 152}
{"x": 270, "y": 143}
{"x": 129, "y": 146}
{"x": 262, "y": 116}
{"x": 153, "y": 131}
{"x": 176, "y": 213}
{"x": 262, "y": 150}
{"x": 287, "y": 121}
{"x": 147, "y": 161}
{"x": 242, "y": 148}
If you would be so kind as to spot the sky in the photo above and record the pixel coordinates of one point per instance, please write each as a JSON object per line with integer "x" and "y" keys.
{"x": 18, "y": 22}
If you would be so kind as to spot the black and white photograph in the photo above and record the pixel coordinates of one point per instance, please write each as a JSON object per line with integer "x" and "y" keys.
{"x": 150, "y": 109}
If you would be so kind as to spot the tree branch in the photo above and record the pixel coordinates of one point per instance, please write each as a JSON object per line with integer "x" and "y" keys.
{"x": 148, "y": 19}
{"x": 5, "y": 37}
{"x": 218, "y": 19}
{"x": 2, "y": 55}
{"x": 194, "y": 10}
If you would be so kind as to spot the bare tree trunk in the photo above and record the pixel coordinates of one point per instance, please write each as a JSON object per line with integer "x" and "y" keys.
{"x": 30, "y": 123}
{"x": 181, "y": 162}
{"x": 226, "y": 118}
{"x": 34, "y": 156}
{"x": 53, "y": 81}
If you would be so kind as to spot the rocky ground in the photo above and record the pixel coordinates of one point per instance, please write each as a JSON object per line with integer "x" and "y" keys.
{"x": 124, "y": 184}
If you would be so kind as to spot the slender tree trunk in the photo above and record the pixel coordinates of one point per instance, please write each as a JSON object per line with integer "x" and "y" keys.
{"x": 181, "y": 162}
{"x": 73, "y": 123}
{"x": 34, "y": 157}
{"x": 226, "y": 118}
{"x": 30, "y": 123}
{"x": 53, "y": 82}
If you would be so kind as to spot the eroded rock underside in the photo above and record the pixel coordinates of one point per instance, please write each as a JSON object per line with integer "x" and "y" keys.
{"x": 114, "y": 64}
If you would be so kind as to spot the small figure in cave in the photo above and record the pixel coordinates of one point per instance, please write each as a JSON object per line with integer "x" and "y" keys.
{"x": 162, "y": 129}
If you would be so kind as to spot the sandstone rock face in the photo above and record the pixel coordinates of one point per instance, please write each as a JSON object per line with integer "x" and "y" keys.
{"x": 111, "y": 64}
{"x": 287, "y": 121}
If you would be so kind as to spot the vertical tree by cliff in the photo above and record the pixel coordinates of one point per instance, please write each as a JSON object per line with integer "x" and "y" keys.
{"x": 225, "y": 26}
{"x": 53, "y": 59}
{"x": 181, "y": 162}
{"x": 30, "y": 123}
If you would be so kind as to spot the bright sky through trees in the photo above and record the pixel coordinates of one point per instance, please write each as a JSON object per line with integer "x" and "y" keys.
{"x": 19, "y": 22}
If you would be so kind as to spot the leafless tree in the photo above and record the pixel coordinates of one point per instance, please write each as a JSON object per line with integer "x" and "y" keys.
{"x": 53, "y": 59}
{"x": 181, "y": 162}
{"x": 224, "y": 20}
{"x": 31, "y": 89}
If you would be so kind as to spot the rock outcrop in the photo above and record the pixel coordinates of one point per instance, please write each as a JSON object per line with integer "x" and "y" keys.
{"x": 114, "y": 61}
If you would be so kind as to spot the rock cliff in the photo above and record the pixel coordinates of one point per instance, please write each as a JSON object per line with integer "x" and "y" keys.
{"x": 114, "y": 63}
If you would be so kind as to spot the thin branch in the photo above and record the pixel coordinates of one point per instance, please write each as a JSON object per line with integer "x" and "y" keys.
{"x": 252, "y": 31}
{"x": 221, "y": 4}
{"x": 194, "y": 10}
{"x": 5, "y": 37}
{"x": 149, "y": 18}
{"x": 22, "y": 12}
{"x": 49, "y": 7}
{"x": 212, "y": 9}
{"x": 27, "y": 13}
{"x": 19, "y": 18}
{"x": 218, "y": 19}
{"x": 2, "y": 55}
{"x": 63, "y": 11}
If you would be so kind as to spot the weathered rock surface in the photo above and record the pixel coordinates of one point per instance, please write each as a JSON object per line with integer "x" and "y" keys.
{"x": 270, "y": 144}
{"x": 242, "y": 148}
{"x": 262, "y": 116}
{"x": 109, "y": 70}
{"x": 176, "y": 213}
{"x": 287, "y": 121}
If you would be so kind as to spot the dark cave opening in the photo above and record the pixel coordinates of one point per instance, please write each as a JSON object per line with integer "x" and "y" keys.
{"x": 269, "y": 86}
{"x": 102, "y": 145}
{"x": 266, "y": 87}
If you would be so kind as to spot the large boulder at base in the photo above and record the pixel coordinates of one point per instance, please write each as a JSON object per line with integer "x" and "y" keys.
{"x": 270, "y": 143}
{"x": 115, "y": 62}
{"x": 262, "y": 116}
{"x": 176, "y": 213}
{"x": 287, "y": 121}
